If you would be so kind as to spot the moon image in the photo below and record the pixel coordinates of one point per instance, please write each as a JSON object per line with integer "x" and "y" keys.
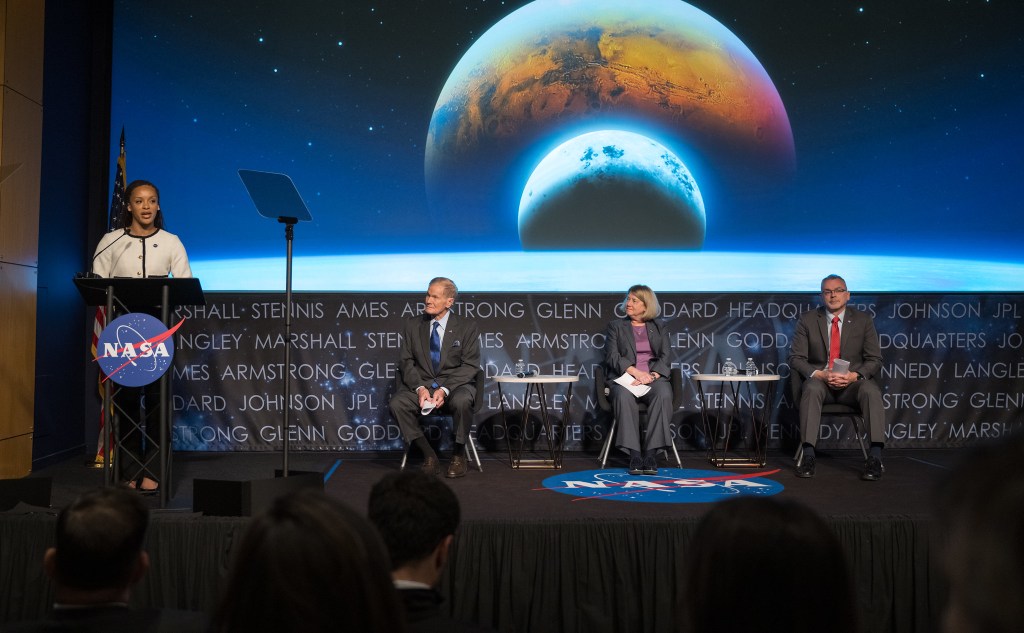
{"x": 556, "y": 69}
{"x": 614, "y": 190}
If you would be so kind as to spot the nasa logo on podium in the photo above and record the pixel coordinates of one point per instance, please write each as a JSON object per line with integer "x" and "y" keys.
{"x": 136, "y": 349}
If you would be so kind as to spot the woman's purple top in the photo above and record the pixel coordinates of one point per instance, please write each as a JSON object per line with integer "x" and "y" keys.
{"x": 643, "y": 347}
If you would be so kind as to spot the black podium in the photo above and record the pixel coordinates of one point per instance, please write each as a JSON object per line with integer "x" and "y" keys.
{"x": 140, "y": 295}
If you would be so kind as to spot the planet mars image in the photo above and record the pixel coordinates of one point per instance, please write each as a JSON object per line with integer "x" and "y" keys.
{"x": 557, "y": 69}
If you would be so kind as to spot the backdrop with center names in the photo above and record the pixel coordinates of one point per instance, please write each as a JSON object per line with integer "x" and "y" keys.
{"x": 953, "y": 372}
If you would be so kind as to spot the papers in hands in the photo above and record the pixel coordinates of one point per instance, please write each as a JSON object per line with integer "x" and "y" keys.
{"x": 627, "y": 381}
{"x": 840, "y": 366}
{"x": 428, "y": 406}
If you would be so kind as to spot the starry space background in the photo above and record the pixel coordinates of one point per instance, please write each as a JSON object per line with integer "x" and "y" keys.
{"x": 905, "y": 116}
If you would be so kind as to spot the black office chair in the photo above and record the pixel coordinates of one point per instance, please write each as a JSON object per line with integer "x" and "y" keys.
{"x": 478, "y": 402}
{"x": 600, "y": 385}
{"x": 828, "y": 409}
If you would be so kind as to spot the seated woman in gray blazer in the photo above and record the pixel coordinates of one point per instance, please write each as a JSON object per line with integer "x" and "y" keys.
{"x": 636, "y": 345}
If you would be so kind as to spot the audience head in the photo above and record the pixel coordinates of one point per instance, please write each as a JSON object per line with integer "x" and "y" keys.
{"x": 309, "y": 564}
{"x": 97, "y": 552}
{"x": 981, "y": 505}
{"x": 765, "y": 564}
{"x": 417, "y": 515}
{"x": 647, "y": 297}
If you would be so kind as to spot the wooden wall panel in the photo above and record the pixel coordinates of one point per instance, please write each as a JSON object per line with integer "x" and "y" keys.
{"x": 21, "y": 138}
{"x": 17, "y": 367}
{"x": 3, "y": 39}
{"x": 16, "y": 457}
{"x": 23, "y": 47}
{"x": 21, "y": 147}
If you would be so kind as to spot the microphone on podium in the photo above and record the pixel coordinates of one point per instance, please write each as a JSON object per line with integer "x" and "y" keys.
{"x": 90, "y": 274}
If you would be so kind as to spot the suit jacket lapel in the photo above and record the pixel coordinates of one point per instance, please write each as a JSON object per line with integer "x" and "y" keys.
{"x": 849, "y": 323}
{"x": 824, "y": 329}
{"x": 653, "y": 337}
{"x": 627, "y": 325}
{"x": 424, "y": 346}
{"x": 450, "y": 336}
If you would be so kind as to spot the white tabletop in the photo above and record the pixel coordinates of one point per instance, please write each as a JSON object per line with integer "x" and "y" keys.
{"x": 538, "y": 378}
{"x": 737, "y": 378}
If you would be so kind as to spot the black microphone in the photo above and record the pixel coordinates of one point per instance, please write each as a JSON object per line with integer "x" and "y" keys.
{"x": 92, "y": 275}
{"x": 526, "y": 374}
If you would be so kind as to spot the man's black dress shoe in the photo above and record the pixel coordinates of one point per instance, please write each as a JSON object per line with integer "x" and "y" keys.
{"x": 650, "y": 465}
{"x": 872, "y": 469}
{"x": 806, "y": 468}
{"x": 431, "y": 466}
{"x": 457, "y": 467}
{"x": 636, "y": 465}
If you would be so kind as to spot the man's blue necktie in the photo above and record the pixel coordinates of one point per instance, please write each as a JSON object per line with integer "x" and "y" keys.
{"x": 435, "y": 347}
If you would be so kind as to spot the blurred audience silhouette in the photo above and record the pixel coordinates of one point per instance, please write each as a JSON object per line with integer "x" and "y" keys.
{"x": 310, "y": 564}
{"x": 96, "y": 560}
{"x": 981, "y": 504}
{"x": 417, "y": 515}
{"x": 768, "y": 565}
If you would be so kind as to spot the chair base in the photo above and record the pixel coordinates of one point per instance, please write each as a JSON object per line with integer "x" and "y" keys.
{"x": 858, "y": 423}
{"x": 603, "y": 455}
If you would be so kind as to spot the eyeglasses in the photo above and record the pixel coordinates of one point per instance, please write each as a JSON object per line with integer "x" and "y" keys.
{"x": 830, "y": 293}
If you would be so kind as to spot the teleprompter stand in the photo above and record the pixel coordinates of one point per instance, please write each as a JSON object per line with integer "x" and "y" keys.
{"x": 276, "y": 197}
{"x": 139, "y": 295}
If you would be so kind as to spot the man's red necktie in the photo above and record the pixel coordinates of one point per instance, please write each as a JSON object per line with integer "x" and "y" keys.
{"x": 833, "y": 344}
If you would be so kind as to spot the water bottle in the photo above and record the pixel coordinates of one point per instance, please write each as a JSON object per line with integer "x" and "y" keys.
{"x": 520, "y": 368}
{"x": 750, "y": 368}
{"x": 729, "y": 368}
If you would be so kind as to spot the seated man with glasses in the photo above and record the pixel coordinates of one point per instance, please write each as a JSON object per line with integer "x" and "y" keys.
{"x": 834, "y": 332}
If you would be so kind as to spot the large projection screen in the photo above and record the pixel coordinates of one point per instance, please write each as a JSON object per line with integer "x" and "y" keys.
{"x": 584, "y": 145}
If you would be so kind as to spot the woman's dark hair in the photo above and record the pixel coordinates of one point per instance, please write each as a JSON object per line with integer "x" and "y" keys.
{"x": 765, "y": 564}
{"x": 126, "y": 215}
{"x": 310, "y": 563}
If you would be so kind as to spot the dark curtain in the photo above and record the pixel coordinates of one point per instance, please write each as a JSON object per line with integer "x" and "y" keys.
{"x": 584, "y": 576}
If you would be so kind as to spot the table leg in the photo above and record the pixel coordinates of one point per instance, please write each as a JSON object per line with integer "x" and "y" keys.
{"x": 504, "y": 422}
{"x": 555, "y": 443}
{"x": 756, "y": 454}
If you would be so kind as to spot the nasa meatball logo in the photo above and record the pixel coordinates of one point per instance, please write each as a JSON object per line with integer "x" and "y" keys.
{"x": 670, "y": 485}
{"x": 136, "y": 349}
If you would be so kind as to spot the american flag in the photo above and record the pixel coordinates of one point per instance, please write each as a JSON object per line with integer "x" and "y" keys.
{"x": 117, "y": 200}
{"x": 113, "y": 222}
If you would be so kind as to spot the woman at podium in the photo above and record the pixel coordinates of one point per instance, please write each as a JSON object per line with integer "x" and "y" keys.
{"x": 141, "y": 248}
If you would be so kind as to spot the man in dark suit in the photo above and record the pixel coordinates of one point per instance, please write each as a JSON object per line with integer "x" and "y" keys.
{"x": 417, "y": 515}
{"x": 96, "y": 560}
{"x": 439, "y": 360}
{"x": 833, "y": 331}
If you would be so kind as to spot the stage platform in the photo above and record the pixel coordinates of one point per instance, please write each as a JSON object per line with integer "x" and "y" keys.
{"x": 529, "y": 558}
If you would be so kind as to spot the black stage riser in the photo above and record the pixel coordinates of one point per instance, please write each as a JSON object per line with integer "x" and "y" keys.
{"x": 551, "y": 576}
